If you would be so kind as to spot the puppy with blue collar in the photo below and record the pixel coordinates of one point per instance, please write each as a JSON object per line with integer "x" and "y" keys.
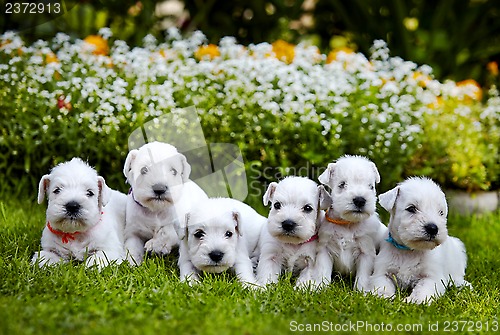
{"x": 418, "y": 254}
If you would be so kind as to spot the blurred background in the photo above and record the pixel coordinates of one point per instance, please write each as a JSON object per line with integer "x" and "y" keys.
{"x": 459, "y": 39}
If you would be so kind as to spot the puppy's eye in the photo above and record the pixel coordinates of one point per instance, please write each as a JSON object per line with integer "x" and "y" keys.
{"x": 199, "y": 234}
{"x": 342, "y": 185}
{"x": 174, "y": 172}
{"x": 372, "y": 187}
{"x": 57, "y": 190}
{"x": 144, "y": 170}
{"x": 90, "y": 193}
{"x": 277, "y": 205}
{"x": 307, "y": 208}
{"x": 441, "y": 213}
{"x": 229, "y": 234}
{"x": 412, "y": 209}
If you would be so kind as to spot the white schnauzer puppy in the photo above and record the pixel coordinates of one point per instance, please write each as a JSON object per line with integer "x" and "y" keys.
{"x": 289, "y": 240}
{"x": 418, "y": 254}
{"x": 84, "y": 217}
{"x": 160, "y": 194}
{"x": 351, "y": 232}
{"x": 220, "y": 234}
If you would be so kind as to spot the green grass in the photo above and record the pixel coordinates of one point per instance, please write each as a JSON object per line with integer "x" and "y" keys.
{"x": 70, "y": 299}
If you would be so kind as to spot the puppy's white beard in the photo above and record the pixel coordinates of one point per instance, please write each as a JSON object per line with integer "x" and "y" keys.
{"x": 73, "y": 224}
{"x": 424, "y": 243}
{"x": 291, "y": 239}
{"x": 354, "y": 216}
{"x": 416, "y": 240}
{"x": 156, "y": 204}
{"x": 213, "y": 268}
{"x": 347, "y": 211}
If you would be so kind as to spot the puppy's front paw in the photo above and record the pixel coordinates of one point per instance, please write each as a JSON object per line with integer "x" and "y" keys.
{"x": 191, "y": 279}
{"x": 416, "y": 298}
{"x": 99, "y": 262}
{"x": 382, "y": 292}
{"x": 134, "y": 259}
{"x": 45, "y": 258}
{"x": 466, "y": 284}
{"x": 362, "y": 285}
{"x": 158, "y": 246}
{"x": 254, "y": 285}
{"x": 308, "y": 285}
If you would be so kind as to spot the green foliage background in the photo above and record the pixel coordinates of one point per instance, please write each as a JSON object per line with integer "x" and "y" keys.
{"x": 457, "y": 38}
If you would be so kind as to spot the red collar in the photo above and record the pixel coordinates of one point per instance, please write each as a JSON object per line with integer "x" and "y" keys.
{"x": 336, "y": 221}
{"x": 313, "y": 238}
{"x": 65, "y": 237}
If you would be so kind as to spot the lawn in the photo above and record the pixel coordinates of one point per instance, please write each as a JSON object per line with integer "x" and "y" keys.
{"x": 70, "y": 299}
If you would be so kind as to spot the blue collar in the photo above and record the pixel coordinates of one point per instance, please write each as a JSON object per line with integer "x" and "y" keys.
{"x": 396, "y": 244}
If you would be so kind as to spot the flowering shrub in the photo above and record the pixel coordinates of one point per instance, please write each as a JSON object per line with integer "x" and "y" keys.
{"x": 284, "y": 105}
{"x": 461, "y": 143}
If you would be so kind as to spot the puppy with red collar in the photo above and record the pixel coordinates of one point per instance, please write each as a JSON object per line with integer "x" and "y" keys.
{"x": 84, "y": 217}
{"x": 289, "y": 240}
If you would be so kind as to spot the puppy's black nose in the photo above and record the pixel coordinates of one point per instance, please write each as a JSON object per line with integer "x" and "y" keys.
{"x": 359, "y": 202}
{"x": 216, "y": 255}
{"x": 72, "y": 207}
{"x": 431, "y": 229}
{"x": 288, "y": 225}
{"x": 159, "y": 189}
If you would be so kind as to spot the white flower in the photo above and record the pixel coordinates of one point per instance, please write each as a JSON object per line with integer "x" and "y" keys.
{"x": 105, "y": 33}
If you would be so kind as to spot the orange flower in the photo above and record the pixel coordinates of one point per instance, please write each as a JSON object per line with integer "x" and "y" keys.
{"x": 7, "y": 42}
{"x": 492, "y": 68}
{"x": 100, "y": 44}
{"x": 332, "y": 56}
{"x": 436, "y": 104}
{"x": 284, "y": 51}
{"x": 61, "y": 103}
{"x": 210, "y": 52}
{"x": 478, "y": 93}
{"x": 51, "y": 58}
{"x": 422, "y": 79}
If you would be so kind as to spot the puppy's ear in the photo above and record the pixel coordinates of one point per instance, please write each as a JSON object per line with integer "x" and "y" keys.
{"x": 268, "y": 196}
{"x": 104, "y": 192}
{"x": 236, "y": 218}
{"x": 325, "y": 200}
{"x": 186, "y": 168}
{"x": 182, "y": 227}
{"x": 327, "y": 175}
{"x": 377, "y": 175}
{"x": 42, "y": 187}
{"x": 128, "y": 162}
{"x": 388, "y": 199}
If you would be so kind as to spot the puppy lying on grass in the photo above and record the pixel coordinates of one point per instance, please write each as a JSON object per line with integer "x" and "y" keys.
{"x": 220, "y": 234}
{"x": 85, "y": 218}
{"x": 289, "y": 241}
{"x": 418, "y": 254}
{"x": 351, "y": 232}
